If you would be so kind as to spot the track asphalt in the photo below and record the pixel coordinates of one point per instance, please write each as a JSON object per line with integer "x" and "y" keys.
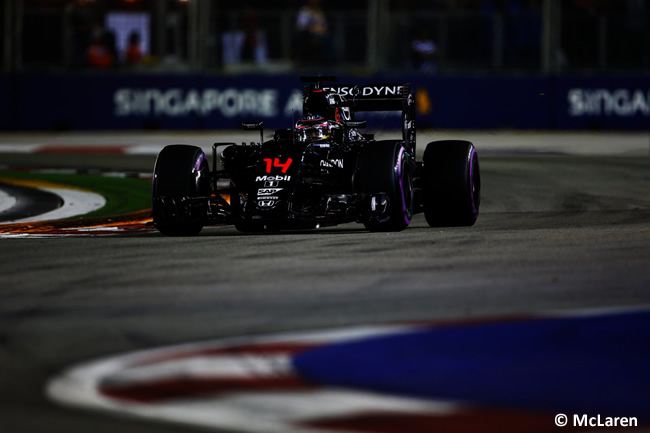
{"x": 430, "y": 329}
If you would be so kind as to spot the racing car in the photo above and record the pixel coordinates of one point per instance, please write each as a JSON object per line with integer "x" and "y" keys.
{"x": 322, "y": 171}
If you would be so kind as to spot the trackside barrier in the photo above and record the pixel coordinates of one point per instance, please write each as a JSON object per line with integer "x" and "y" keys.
{"x": 87, "y": 101}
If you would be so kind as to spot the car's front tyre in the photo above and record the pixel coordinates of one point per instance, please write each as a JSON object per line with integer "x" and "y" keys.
{"x": 181, "y": 171}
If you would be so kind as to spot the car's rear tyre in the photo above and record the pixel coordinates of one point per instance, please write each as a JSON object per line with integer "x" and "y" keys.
{"x": 452, "y": 183}
{"x": 387, "y": 167}
{"x": 180, "y": 171}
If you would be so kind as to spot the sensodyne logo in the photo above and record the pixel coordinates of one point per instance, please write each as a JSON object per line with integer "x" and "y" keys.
{"x": 366, "y": 91}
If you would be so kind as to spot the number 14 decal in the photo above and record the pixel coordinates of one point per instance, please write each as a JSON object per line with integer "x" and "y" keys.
{"x": 276, "y": 163}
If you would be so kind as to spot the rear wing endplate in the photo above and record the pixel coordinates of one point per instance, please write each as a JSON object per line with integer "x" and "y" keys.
{"x": 381, "y": 97}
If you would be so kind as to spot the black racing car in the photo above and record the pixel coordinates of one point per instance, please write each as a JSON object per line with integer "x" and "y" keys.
{"x": 321, "y": 172}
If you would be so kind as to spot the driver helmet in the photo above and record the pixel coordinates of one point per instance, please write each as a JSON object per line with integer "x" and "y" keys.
{"x": 313, "y": 127}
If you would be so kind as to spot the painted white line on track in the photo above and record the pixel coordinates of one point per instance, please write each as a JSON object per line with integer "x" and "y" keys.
{"x": 207, "y": 367}
{"x": 75, "y": 202}
{"x": 334, "y": 403}
{"x": 6, "y": 201}
{"x": 144, "y": 149}
{"x": 19, "y": 148}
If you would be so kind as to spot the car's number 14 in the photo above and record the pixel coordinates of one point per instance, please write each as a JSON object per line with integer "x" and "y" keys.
{"x": 276, "y": 163}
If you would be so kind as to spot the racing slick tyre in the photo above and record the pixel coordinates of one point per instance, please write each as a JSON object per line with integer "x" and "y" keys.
{"x": 386, "y": 167}
{"x": 451, "y": 183}
{"x": 180, "y": 171}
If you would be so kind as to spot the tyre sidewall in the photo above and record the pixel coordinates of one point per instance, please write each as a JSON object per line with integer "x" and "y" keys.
{"x": 386, "y": 166}
{"x": 180, "y": 171}
{"x": 451, "y": 183}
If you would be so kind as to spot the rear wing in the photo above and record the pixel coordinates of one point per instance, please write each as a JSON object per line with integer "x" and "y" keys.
{"x": 376, "y": 97}
{"x": 373, "y": 97}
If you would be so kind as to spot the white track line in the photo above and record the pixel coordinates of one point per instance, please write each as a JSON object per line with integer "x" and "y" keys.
{"x": 75, "y": 202}
{"x": 6, "y": 201}
{"x": 19, "y": 147}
